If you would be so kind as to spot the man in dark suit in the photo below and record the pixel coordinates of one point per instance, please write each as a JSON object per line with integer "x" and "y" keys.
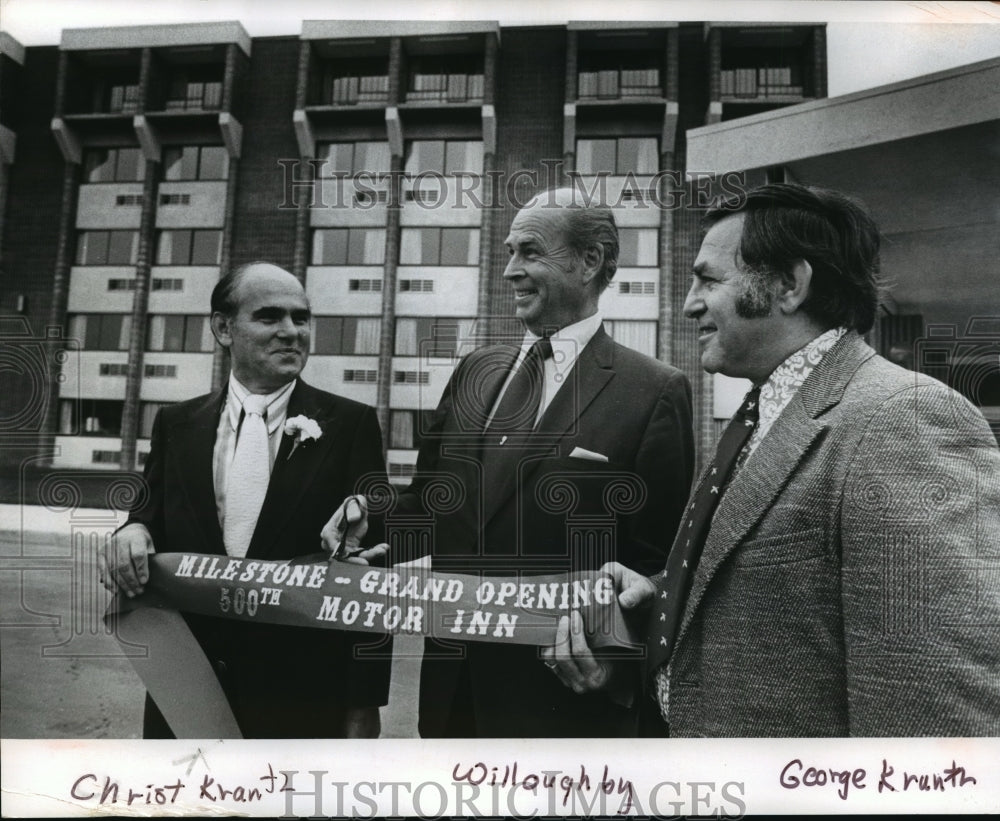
{"x": 846, "y": 581}
{"x": 558, "y": 452}
{"x": 226, "y": 476}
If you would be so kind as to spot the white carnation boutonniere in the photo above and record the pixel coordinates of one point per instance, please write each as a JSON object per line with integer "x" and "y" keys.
{"x": 303, "y": 429}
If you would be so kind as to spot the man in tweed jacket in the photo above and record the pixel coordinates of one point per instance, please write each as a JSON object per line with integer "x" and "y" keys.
{"x": 849, "y": 583}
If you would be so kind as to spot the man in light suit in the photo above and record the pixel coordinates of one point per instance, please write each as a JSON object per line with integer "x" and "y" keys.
{"x": 847, "y": 582}
{"x": 609, "y": 436}
{"x": 282, "y": 682}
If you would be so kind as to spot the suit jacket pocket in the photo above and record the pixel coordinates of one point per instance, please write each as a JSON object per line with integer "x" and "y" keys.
{"x": 784, "y": 548}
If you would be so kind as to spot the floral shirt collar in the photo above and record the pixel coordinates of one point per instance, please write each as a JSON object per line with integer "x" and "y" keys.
{"x": 787, "y": 378}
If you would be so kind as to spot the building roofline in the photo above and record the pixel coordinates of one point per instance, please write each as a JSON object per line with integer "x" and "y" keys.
{"x": 179, "y": 34}
{"x": 951, "y": 98}
{"x": 352, "y": 29}
{"x": 11, "y": 48}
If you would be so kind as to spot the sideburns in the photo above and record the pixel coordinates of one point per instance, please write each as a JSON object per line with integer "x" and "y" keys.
{"x": 756, "y": 295}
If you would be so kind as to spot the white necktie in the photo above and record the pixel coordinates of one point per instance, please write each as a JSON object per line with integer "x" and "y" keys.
{"x": 248, "y": 478}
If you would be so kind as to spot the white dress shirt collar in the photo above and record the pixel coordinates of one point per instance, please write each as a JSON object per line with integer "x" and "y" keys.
{"x": 277, "y": 403}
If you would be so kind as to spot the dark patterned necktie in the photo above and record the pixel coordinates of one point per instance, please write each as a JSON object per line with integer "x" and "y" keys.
{"x": 518, "y": 408}
{"x": 672, "y": 587}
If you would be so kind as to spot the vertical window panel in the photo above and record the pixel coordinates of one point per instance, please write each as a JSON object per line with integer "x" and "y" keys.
{"x": 372, "y": 157}
{"x": 214, "y": 163}
{"x": 401, "y": 429}
{"x": 330, "y": 246}
{"x": 123, "y": 247}
{"x": 131, "y": 165}
{"x": 206, "y": 247}
{"x": 369, "y": 332}
{"x": 173, "y": 332}
{"x": 99, "y": 165}
{"x": 327, "y": 335}
{"x": 637, "y": 155}
{"x": 639, "y": 247}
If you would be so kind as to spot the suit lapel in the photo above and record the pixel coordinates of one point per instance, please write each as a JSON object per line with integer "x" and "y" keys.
{"x": 757, "y": 485}
{"x": 590, "y": 374}
{"x": 193, "y": 439}
{"x": 294, "y": 472}
{"x": 751, "y": 494}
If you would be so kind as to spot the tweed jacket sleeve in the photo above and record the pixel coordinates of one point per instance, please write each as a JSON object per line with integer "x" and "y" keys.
{"x": 920, "y": 530}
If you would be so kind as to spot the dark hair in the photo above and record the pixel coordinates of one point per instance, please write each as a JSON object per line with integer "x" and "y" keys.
{"x": 837, "y": 236}
{"x": 224, "y": 292}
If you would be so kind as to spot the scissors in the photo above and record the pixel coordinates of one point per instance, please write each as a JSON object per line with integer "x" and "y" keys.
{"x": 342, "y": 552}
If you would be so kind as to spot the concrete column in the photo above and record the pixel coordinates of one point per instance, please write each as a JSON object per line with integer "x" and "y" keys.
{"x": 140, "y": 307}
{"x": 387, "y": 342}
{"x": 60, "y": 296}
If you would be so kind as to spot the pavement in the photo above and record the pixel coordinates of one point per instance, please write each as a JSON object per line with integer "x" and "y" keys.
{"x": 62, "y": 674}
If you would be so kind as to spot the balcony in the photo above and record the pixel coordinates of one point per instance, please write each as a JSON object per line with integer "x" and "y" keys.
{"x": 764, "y": 84}
{"x": 195, "y": 96}
{"x": 619, "y": 84}
{"x": 445, "y": 88}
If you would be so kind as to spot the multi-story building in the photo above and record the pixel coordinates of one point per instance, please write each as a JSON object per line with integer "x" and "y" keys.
{"x": 380, "y": 163}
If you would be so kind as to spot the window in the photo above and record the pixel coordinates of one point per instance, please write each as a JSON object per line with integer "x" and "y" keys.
{"x": 175, "y": 199}
{"x": 431, "y": 336}
{"x": 128, "y": 199}
{"x": 406, "y": 428}
{"x": 195, "y": 88}
{"x": 346, "y": 159}
{"x": 189, "y": 246}
{"x": 190, "y": 333}
{"x": 635, "y": 334}
{"x": 439, "y": 246}
{"x": 358, "y": 80}
{"x": 638, "y": 247}
{"x": 411, "y": 378}
{"x": 452, "y": 78}
{"x": 159, "y": 371}
{"x": 399, "y": 470}
{"x": 113, "y": 165}
{"x": 171, "y": 284}
{"x": 121, "y": 284}
{"x": 625, "y": 155}
{"x": 113, "y": 369}
{"x": 444, "y": 156}
{"x": 105, "y": 457}
{"x": 195, "y": 162}
{"x": 101, "y": 332}
{"x": 364, "y": 285}
{"x": 107, "y": 247}
{"x": 348, "y": 246}
{"x": 116, "y": 91}
{"x": 415, "y": 285}
{"x": 360, "y": 376}
{"x": 637, "y": 288}
{"x": 613, "y": 74}
{"x": 91, "y": 417}
{"x": 147, "y": 413}
{"x": 346, "y": 335}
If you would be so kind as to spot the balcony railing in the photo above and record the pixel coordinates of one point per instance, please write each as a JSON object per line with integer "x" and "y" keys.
{"x": 197, "y": 97}
{"x": 616, "y": 84}
{"x": 123, "y": 99}
{"x": 760, "y": 83}
{"x": 446, "y": 88}
{"x": 354, "y": 90}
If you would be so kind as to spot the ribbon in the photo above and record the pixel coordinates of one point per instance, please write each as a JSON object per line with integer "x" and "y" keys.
{"x": 311, "y": 592}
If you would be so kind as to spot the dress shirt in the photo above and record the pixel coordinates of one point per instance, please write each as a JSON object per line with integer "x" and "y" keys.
{"x": 228, "y": 430}
{"x": 567, "y": 344}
